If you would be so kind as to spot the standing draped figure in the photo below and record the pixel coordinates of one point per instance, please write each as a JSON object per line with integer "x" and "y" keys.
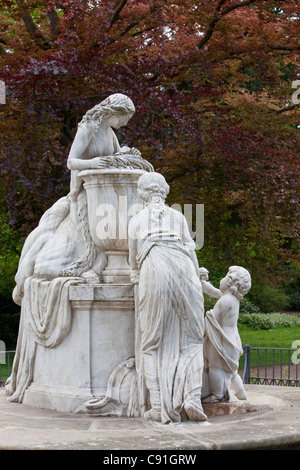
{"x": 169, "y": 308}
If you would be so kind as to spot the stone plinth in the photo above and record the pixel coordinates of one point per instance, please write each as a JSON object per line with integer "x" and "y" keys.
{"x": 101, "y": 337}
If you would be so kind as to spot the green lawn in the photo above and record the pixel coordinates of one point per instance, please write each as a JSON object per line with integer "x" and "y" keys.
{"x": 279, "y": 337}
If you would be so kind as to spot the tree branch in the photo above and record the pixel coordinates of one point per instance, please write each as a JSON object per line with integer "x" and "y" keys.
{"x": 130, "y": 26}
{"x": 284, "y": 47}
{"x": 237, "y": 5}
{"x": 53, "y": 18}
{"x": 31, "y": 27}
{"x": 117, "y": 12}
{"x": 220, "y": 4}
{"x": 2, "y": 51}
{"x": 218, "y": 16}
{"x": 287, "y": 108}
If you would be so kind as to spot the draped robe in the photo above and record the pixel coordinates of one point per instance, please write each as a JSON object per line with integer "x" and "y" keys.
{"x": 46, "y": 319}
{"x": 170, "y": 317}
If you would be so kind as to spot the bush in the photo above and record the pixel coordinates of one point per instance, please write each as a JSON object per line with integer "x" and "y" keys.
{"x": 209, "y": 302}
{"x": 271, "y": 299}
{"x": 10, "y": 247}
{"x": 248, "y": 307}
{"x": 9, "y": 321}
{"x": 266, "y": 321}
{"x": 294, "y": 301}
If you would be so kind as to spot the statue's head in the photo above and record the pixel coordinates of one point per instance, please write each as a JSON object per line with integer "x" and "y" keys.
{"x": 152, "y": 185}
{"x": 238, "y": 280}
{"x": 117, "y": 105}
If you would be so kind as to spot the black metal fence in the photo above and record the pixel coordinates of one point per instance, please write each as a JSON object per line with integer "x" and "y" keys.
{"x": 271, "y": 366}
{"x": 6, "y": 361}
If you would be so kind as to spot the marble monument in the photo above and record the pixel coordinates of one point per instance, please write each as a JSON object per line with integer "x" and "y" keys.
{"x": 111, "y": 294}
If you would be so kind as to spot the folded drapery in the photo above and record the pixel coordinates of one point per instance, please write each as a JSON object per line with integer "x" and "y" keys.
{"x": 169, "y": 350}
{"x": 46, "y": 319}
{"x": 228, "y": 351}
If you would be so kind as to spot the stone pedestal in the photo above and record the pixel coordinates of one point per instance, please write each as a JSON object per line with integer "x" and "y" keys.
{"x": 101, "y": 337}
{"x": 98, "y": 351}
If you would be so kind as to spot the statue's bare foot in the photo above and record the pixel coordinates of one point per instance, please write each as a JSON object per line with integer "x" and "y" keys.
{"x": 241, "y": 394}
{"x": 91, "y": 277}
{"x": 153, "y": 415}
{"x": 194, "y": 412}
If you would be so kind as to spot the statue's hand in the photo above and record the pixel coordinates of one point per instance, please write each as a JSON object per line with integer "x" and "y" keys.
{"x": 124, "y": 150}
{"x": 135, "y": 276}
{"x": 134, "y": 151}
{"x": 98, "y": 162}
{"x": 130, "y": 151}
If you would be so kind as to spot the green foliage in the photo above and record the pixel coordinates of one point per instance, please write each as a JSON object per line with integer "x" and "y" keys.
{"x": 246, "y": 306}
{"x": 271, "y": 299}
{"x": 267, "y": 321}
{"x": 10, "y": 246}
{"x": 209, "y": 302}
{"x": 293, "y": 290}
{"x": 9, "y": 323}
{"x": 294, "y": 301}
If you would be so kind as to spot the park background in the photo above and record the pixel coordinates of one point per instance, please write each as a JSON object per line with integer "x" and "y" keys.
{"x": 214, "y": 84}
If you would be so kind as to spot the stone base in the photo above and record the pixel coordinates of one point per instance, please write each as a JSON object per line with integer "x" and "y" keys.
{"x": 69, "y": 400}
{"x": 274, "y": 425}
{"x": 221, "y": 409}
{"x": 101, "y": 337}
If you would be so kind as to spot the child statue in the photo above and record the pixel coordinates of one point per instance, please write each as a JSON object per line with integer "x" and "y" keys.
{"x": 222, "y": 343}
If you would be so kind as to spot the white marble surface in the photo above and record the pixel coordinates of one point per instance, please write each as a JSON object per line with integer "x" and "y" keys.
{"x": 112, "y": 199}
{"x": 222, "y": 344}
{"x": 112, "y": 311}
{"x": 170, "y": 310}
{"x": 93, "y": 329}
{"x": 101, "y": 337}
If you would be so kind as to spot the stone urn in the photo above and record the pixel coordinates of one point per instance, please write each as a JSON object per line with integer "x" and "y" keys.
{"x": 112, "y": 200}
